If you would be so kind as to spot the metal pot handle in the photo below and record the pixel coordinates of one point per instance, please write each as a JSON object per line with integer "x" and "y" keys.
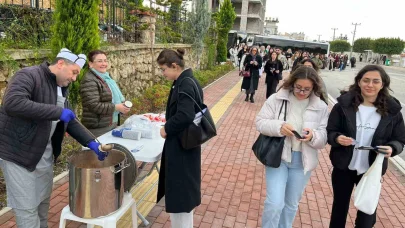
{"x": 120, "y": 168}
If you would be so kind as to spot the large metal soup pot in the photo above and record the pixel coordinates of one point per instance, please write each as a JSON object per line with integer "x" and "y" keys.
{"x": 96, "y": 187}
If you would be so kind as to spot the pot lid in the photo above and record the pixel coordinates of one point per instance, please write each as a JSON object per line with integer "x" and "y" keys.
{"x": 131, "y": 172}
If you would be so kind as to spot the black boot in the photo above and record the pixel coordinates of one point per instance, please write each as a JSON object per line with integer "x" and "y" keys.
{"x": 251, "y": 99}
{"x": 247, "y": 97}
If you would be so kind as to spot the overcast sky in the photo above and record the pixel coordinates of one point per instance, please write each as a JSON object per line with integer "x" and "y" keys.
{"x": 378, "y": 18}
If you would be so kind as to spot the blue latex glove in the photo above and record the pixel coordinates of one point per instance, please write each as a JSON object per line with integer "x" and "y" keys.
{"x": 93, "y": 145}
{"x": 67, "y": 115}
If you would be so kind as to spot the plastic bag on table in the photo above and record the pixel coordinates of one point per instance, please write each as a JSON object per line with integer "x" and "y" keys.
{"x": 143, "y": 125}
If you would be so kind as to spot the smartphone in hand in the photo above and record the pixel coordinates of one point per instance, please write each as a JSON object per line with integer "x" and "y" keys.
{"x": 298, "y": 136}
{"x": 379, "y": 150}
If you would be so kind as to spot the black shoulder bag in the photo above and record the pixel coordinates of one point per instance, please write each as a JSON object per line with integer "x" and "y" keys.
{"x": 198, "y": 133}
{"x": 268, "y": 149}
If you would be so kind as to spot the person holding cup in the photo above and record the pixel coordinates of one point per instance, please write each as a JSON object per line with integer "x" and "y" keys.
{"x": 102, "y": 99}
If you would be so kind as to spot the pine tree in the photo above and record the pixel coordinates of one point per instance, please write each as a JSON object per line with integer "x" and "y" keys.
{"x": 75, "y": 28}
{"x": 225, "y": 20}
{"x": 200, "y": 20}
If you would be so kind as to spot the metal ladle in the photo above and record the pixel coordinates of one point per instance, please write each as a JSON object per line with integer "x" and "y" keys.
{"x": 105, "y": 148}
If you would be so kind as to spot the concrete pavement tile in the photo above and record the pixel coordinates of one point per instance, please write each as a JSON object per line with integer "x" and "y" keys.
{"x": 229, "y": 221}
{"x": 305, "y": 218}
{"x": 197, "y": 220}
{"x": 217, "y": 223}
{"x": 208, "y": 217}
{"x": 232, "y": 211}
{"x": 241, "y": 217}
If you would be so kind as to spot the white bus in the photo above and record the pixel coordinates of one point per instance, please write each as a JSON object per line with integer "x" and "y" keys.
{"x": 285, "y": 43}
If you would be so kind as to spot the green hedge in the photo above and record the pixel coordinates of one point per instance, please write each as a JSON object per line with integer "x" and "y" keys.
{"x": 155, "y": 97}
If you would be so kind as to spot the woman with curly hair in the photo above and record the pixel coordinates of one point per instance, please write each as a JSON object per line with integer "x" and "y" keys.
{"x": 365, "y": 115}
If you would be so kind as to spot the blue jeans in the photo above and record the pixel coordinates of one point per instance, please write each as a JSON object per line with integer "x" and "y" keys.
{"x": 284, "y": 188}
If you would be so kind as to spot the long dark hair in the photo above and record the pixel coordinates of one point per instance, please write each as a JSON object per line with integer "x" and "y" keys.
{"x": 304, "y": 72}
{"x": 381, "y": 101}
{"x": 271, "y": 59}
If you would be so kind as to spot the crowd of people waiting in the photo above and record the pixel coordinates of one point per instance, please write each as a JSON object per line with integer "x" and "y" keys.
{"x": 365, "y": 115}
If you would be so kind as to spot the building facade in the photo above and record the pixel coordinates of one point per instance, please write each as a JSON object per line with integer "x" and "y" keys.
{"x": 270, "y": 26}
{"x": 294, "y": 35}
{"x": 249, "y": 14}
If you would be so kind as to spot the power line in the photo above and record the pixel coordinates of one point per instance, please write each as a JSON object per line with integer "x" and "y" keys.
{"x": 334, "y": 31}
{"x": 354, "y": 34}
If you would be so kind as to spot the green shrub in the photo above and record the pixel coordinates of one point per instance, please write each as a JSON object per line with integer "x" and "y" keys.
{"x": 154, "y": 98}
{"x": 75, "y": 28}
{"x": 25, "y": 27}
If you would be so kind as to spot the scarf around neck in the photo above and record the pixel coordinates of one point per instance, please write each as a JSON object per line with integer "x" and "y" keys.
{"x": 117, "y": 97}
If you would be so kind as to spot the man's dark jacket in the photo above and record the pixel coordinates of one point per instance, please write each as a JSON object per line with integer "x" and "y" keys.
{"x": 342, "y": 121}
{"x": 26, "y": 115}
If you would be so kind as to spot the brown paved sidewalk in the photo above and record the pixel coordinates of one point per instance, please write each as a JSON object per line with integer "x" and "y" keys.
{"x": 60, "y": 195}
{"x": 233, "y": 184}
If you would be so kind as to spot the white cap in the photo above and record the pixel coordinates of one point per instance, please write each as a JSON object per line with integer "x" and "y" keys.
{"x": 67, "y": 54}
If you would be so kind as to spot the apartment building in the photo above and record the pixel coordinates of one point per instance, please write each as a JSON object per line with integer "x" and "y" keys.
{"x": 250, "y": 14}
{"x": 270, "y": 26}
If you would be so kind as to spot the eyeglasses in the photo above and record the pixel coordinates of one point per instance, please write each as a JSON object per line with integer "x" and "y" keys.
{"x": 298, "y": 89}
{"x": 101, "y": 61}
{"x": 374, "y": 81}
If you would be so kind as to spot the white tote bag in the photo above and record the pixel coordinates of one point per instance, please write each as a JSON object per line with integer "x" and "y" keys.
{"x": 368, "y": 190}
{"x": 261, "y": 71}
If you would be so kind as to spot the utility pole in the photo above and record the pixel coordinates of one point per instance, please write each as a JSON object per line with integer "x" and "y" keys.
{"x": 354, "y": 34}
{"x": 319, "y": 37}
{"x": 334, "y": 31}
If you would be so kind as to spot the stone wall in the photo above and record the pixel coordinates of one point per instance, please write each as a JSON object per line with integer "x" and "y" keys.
{"x": 132, "y": 65}
{"x": 43, "y": 4}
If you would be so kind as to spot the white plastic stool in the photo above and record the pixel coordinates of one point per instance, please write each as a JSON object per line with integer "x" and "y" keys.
{"x": 109, "y": 221}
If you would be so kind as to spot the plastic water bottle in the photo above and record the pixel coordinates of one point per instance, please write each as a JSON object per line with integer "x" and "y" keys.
{"x": 127, "y": 133}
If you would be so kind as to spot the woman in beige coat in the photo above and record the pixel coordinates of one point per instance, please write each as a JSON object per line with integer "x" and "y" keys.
{"x": 306, "y": 114}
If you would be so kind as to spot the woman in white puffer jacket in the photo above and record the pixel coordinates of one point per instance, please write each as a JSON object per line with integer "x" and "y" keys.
{"x": 307, "y": 114}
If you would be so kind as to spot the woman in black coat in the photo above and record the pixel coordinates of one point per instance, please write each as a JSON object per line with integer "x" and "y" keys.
{"x": 253, "y": 62}
{"x": 365, "y": 115}
{"x": 180, "y": 172}
{"x": 273, "y": 69}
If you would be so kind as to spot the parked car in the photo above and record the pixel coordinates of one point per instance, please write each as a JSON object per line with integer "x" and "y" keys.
{"x": 107, "y": 27}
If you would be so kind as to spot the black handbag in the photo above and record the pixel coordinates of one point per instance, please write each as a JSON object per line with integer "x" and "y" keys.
{"x": 268, "y": 149}
{"x": 196, "y": 134}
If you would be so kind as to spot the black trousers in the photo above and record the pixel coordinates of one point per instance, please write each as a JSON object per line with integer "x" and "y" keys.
{"x": 343, "y": 182}
{"x": 271, "y": 84}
